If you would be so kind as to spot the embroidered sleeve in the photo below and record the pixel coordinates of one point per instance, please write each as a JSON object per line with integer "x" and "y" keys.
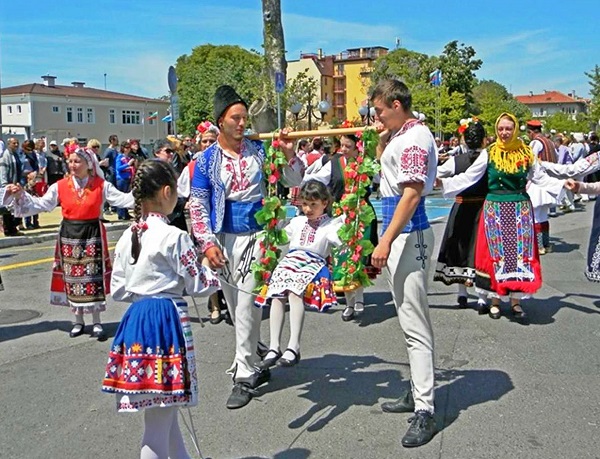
{"x": 200, "y": 209}
{"x": 582, "y": 166}
{"x": 412, "y": 166}
{"x": 199, "y": 279}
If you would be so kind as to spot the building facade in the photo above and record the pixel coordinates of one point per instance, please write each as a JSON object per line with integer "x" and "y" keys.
{"x": 551, "y": 102}
{"x": 344, "y": 78}
{"x": 56, "y": 112}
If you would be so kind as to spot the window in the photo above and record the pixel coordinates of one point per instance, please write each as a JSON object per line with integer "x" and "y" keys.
{"x": 90, "y": 116}
{"x": 112, "y": 116}
{"x": 131, "y": 117}
{"x": 69, "y": 114}
{"x": 18, "y": 109}
{"x": 55, "y": 109}
{"x": 80, "y": 114}
{"x": 9, "y": 109}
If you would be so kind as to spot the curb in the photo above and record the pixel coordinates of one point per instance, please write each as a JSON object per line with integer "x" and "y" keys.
{"x": 18, "y": 241}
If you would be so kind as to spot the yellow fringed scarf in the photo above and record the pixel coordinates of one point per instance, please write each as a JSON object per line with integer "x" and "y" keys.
{"x": 512, "y": 156}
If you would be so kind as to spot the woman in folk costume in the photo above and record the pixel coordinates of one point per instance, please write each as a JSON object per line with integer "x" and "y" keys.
{"x": 303, "y": 274}
{"x": 507, "y": 261}
{"x": 583, "y": 167}
{"x": 456, "y": 259}
{"x": 82, "y": 266}
{"x": 331, "y": 170}
{"x": 151, "y": 365}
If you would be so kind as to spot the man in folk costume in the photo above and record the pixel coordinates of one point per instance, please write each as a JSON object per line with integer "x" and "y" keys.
{"x": 227, "y": 191}
{"x": 543, "y": 148}
{"x": 408, "y": 166}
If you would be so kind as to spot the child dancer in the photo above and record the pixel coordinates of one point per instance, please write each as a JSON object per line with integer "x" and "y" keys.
{"x": 151, "y": 364}
{"x": 302, "y": 275}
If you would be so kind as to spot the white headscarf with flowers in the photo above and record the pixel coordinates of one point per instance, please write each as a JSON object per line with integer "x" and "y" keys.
{"x": 90, "y": 158}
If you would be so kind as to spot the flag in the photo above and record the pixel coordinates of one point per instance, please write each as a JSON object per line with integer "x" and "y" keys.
{"x": 152, "y": 116}
{"x": 435, "y": 77}
{"x": 168, "y": 119}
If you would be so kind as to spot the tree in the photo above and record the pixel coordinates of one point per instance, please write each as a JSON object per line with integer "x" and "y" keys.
{"x": 302, "y": 89}
{"x": 563, "y": 122}
{"x": 208, "y": 67}
{"x": 408, "y": 66}
{"x": 274, "y": 44}
{"x": 458, "y": 68}
{"x": 490, "y": 99}
{"x": 594, "y": 82}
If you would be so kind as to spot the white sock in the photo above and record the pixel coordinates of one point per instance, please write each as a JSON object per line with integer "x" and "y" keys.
{"x": 296, "y": 323}
{"x": 482, "y": 298}
{"x": 96, "y": 317}
{"x": 276, "y": 318}
{"x": 159, "y": 434}
{"x": 79, "y": 319}
{"x": 462, "y": 290}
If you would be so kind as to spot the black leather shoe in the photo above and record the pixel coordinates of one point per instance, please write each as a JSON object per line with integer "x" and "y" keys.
{"x": 462, "y": 302}
{"x": 283, "y": 362}
{"x": 405, "y": 404}
{"x": 99, "y": 333}
{"x": 77, "y": 330}
{"x": 348, "y": 314}
{"x": 482, "y": 309}
{"x": 421, "y": 430}
{"x": 517, "y": 312}
{"x": 495, "y": 314}
{"x": 260, "y": 377}
{"x": 241, "y": 394}
{"x": 269, "y": 361}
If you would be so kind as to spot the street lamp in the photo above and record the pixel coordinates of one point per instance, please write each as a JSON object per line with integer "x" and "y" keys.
{"x": 368, "y": 112}
{"x": 297, "y": 107}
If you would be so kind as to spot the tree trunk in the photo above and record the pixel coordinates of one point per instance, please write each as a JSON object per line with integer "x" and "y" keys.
{"x": 274, "y": 42}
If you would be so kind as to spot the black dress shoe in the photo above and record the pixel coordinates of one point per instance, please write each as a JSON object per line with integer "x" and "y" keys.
{"x": 270, "y": 361}
{"x": 262, "y": 349}
{"x": 517, "y": 312}
{"x": 241, "y": 394}
{"x": 348, "y": 314}
{"x": 77, "y": 330}
{"x": 462, "y": 302}
{"x": 260, "y": 377}
{"x": 99, "y": 333}
{"x": 495, "y": 314}
{"x": 421, "y": 430}
{"x": 482, "y": 309}
{"x": 283, "y": 362}
{"x": 405, "y": 404}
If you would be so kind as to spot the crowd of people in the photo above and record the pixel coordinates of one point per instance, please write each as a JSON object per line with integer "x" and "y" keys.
{"x": 504, "y": 189}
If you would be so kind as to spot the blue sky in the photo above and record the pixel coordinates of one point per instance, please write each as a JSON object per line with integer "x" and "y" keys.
{"x": 526, "y": 46}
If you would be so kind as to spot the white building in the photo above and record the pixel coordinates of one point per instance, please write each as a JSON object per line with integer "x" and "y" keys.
{"x": 56, "y": 112}
{"x": 551, "y": 102}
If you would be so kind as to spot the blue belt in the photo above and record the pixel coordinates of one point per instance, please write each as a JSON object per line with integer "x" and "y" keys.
{"x": 239, "y": 217}
{"x": 417, "y": 222}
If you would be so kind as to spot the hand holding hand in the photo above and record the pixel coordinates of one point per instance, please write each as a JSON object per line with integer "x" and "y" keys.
{"x": 572, "y": 185}
{"x": 215, "y": 257}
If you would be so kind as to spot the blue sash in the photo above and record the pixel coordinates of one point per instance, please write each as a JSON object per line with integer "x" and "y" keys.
{"x": 417, "y": 222}
{"x": 239, "y": 217}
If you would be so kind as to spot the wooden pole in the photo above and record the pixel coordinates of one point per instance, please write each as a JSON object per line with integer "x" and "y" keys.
{"x": 316, "y": 133}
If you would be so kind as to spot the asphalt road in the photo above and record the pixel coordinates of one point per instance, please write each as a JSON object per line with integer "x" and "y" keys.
{"x": 505, "y": 390}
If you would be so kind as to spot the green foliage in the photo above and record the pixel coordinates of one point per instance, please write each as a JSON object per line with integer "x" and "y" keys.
{"x": 594, "y": 82}
{"x": 458, "y": 68}
{"x": 302, "y": 89}
{"x": 490, "y": 99}
{"x": 408, "y": 66}
{"x": 563, "y": 122}
{"x": 208, "y": 67}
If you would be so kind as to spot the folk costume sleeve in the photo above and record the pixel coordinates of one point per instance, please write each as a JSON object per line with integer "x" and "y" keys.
{"x": 292, "y": 173}
{"x": 24, "y": 204}
{"x": 446, "y": 169}
{"x": 116, "y": 198}
{"x": 589, "y": 188}
{"x": 199, "y": 280}
{"x": 551, "y": 185}
{"x": 460, "y": 182}
{"x": 320, "y": 171}
{"x": 200, "y": 205}
{"x": 122, "y": 256}
{"x": 583, "y": 166}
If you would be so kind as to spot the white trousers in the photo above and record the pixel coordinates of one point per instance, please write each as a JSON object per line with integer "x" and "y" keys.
{"x": 408, "y": 270}
{"x": 241, "y": 251}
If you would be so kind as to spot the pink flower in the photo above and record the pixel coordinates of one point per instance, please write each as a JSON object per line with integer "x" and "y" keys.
{"x": 273, "y": 179}
{"x": 276, "y": 144}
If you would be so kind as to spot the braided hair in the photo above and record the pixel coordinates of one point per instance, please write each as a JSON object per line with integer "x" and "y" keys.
{"x": 150, "y": 178}
{"x": 474, "y": 135}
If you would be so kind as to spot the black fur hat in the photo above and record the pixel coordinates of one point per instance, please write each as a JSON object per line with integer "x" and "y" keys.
{"x": 225, "y": 97}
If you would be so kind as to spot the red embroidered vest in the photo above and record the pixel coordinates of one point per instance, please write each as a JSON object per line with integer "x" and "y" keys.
{"x": 88, "y": 206}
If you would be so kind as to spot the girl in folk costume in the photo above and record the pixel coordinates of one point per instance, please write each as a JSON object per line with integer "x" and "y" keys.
{"x": 456, "y": 259}
{"x": 82, "y": 267}
{"x": 331, "y": 170}
{"x": 302, "y": 275}
{"x": 151, "y": 363}
{"x": 506, "y": 257}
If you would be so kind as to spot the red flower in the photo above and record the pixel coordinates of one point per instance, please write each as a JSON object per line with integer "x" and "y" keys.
{"x": 273, "y": 179}
{"x": 276, "y": 144}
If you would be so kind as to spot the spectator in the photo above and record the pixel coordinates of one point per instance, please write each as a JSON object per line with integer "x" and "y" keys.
{"x": 10, "y": 174}
{"x": 124, "y": 171}
{"x": 56, "y": 164}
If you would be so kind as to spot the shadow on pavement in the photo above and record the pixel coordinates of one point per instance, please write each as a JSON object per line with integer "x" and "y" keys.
{"x": 560, "y": 246}
{"x": 542, "y": 311}
{"x": 293, "y": 453}
{"x": 458, "y": 390}
{"x": 15, "y": 331}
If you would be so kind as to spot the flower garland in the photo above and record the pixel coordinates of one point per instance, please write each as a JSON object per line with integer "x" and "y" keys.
{"x": 270, "y": 215}
{"x": 357, "y": 213}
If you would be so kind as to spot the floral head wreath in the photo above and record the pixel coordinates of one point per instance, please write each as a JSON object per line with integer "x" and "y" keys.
{"x": 465, "y": 123}
{"x": 205, "y": 126}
